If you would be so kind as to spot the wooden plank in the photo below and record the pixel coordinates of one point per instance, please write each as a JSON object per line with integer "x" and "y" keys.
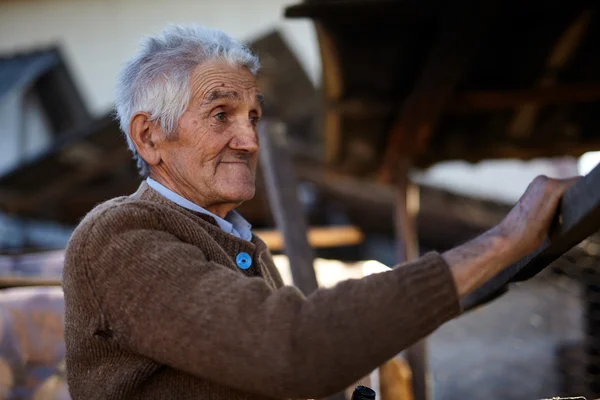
{"x": 17, "y": 281}
{"x": 281, "y": 190}
{"x": 396, "y": 380}
{"x": 457, "y": 41}
{"x": 318, "y": 237}
{"x": 578, "y": 217}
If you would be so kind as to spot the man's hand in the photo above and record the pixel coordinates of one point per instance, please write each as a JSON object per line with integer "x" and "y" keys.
{"x": 522, "y": 231}
{"x": 526, "y": 226}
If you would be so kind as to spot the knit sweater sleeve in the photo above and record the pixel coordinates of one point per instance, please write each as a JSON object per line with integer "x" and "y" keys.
{"x": 162, "y": 299}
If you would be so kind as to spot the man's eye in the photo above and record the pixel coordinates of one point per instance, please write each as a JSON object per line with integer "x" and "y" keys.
{"x": 221, "y": 117}
{"x": 254, "y": 120}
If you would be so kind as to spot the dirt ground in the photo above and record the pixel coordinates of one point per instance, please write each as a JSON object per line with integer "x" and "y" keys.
{"x": 509, "y": 349}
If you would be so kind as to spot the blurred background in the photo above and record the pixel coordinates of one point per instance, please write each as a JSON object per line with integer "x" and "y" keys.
{"x": 469, "y": 102}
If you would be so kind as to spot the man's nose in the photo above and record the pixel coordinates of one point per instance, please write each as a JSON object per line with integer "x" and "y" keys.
{"x": 245, "y": 139}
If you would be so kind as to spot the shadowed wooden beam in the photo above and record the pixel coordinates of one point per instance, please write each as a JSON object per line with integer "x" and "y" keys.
{"x": 482, "y": 100}
{"x": 523, "y": 122}
{"x": 457, "y": 41}
{"x": 506, "y": 99}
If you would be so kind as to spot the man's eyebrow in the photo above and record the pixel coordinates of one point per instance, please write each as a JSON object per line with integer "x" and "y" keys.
{"x": 228, "y": 94}
{"x": 221, "y": 94}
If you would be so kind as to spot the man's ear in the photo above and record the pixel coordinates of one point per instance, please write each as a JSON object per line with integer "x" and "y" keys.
{"x": 145, "y": 135}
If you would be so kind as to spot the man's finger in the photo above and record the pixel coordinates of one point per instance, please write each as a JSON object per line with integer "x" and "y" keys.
{"x": 568, "y": 182}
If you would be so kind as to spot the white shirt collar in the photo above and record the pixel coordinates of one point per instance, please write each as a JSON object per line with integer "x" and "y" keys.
{"x": 233, "y": 223}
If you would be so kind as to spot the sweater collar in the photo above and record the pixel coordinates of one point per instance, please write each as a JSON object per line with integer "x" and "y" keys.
{"x": 232, "y": 244}
{"x": 145, "y": 192}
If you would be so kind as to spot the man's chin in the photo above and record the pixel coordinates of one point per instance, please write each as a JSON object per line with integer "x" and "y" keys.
{"x": 239, "y": 196}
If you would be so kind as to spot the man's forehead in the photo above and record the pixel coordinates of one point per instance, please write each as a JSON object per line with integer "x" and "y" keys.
{"x": 217, "y": 79}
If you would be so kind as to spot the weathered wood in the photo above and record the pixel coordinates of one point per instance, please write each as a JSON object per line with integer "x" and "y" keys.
{"x": 419, "y": 114}
{"x": 22, "y": 281}
{"x": 282, "y": 193}
{"x": 578, "y": 217}
{"x": 332, "y": 92}
{"x": 318, "y": 237}
{"x": 482, "y": 100}
{"x": 506, "y": 99}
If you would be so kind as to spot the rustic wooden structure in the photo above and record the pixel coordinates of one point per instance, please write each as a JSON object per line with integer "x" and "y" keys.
{"x": 467, "y": 80}
{"x": 409, "y": 82}
{"x": 417, "y": 82}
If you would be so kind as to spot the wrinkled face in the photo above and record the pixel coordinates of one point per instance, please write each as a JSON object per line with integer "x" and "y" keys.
{"x": 212, "y": 158}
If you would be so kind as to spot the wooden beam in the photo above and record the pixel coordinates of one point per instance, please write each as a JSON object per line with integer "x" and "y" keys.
{"x": 457, "y": 41}
{"x": 331, "y": 71}
{"x": 507, "y": 99}
{"x": 482, "y": 100}
{"x": 321, "y": 237}
{"x": 578, "y": 217}
{"x": 281, "y": 189}
{"x": 406, "y": 210}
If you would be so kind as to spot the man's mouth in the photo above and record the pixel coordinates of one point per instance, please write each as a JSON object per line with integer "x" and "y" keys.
{"x": 235, "y": 162}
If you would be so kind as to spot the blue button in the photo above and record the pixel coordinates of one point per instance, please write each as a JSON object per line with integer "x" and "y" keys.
{"x": 243, "y": 260}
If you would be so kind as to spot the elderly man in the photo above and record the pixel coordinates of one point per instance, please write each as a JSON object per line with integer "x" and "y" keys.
{"x": 170, "y": 296}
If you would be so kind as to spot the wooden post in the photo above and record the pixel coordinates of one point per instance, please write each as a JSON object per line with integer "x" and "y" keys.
{"x": 280, "y": 182}
{"x": 407, "y": 208}
{"x": 281, "y": 187}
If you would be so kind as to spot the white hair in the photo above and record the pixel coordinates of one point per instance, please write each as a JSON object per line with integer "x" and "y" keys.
{"x": 156, "y": 80}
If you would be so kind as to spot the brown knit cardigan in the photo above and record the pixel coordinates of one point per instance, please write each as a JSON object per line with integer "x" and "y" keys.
{"x": 156, "y": 308}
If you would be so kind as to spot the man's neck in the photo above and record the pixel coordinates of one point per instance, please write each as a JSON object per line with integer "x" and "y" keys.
{"x": 188, "y": 193}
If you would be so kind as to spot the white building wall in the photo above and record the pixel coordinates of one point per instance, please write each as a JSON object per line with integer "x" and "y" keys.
{"x": 97, "y": 36}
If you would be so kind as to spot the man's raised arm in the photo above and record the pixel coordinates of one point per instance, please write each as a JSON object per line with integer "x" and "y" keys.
{"x": 522, "y": 231}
